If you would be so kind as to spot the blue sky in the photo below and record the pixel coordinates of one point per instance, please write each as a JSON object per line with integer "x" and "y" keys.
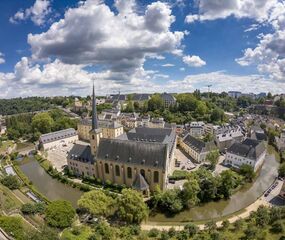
{"x": 58, "y": 47}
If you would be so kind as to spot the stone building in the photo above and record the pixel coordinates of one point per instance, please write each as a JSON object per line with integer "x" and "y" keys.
{"x": 54, "y": 139}
{"x": 196, "y": 148}
{"x": 139, "y": 159}
{"x": 110, "y": 129}
{"x": 250, "y": 152}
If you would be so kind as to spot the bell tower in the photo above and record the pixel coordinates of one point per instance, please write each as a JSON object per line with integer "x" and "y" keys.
{"x": 95, "y": 133}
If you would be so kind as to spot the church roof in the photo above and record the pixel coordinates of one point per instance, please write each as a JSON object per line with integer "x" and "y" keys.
{"x": 140, "y": 183}
{"x": 132, "y": 152}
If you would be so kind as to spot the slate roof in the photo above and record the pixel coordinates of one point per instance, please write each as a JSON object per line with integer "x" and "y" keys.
{"x": 139, "y": 153}
{"x": 167, "y": 97}
{"x": 249, "y": 148}
{"x": 198, "y": 145}
{"x": 141, "y": 97}
{"x": 140, "y": 183}
{"x": 59, "y": 135}
{"x": 81, "y": 153}
{"x": 102, "y": 123}
{"x": 259, "y": 136}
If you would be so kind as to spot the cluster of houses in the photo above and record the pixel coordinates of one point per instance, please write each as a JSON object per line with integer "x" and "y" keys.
{"x": 240, "y": 146}
{"x": 138, "y": 151}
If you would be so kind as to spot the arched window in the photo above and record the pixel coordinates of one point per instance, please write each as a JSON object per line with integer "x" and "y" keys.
{"x": 93, "y": 137}
{"x": 142, "y": 171}
{"x": 129, "y": 172}
{"x": 106, "y": 168}
{"x": 156, "y": 177}
{"x": 117, "y": 170}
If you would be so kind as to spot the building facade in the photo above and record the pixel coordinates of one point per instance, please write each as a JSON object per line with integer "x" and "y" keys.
{"x": 139, "y": 159}
{"x": 197, "y": 149}
{"x": 110, "y": 129}
{"x": 250, "y": 152}
{"x": 53, "y": 140}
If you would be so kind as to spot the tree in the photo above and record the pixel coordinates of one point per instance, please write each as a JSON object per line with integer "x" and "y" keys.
{"x": 211, "y": 226}
{"x": 201, "y": 108}
{"x": 97, "y": 203}
{"x": 213, "y": 157}
{"x": 170, "y": 201}
{"x": 225, "y": 224}
{"x": 59, "y": 214}
{"x": 281, "y": 170}
{"x": 262, "y": 216}
{"x": 277, "y": 227}
{"x": 247, "y": 171}
{"x": 30, "y": 208}
{"x": 42, "y": 122}
{"x": 229, "y": 181}
{"x": 190, "y": 191}
{"x": 11, "y": 182}
{"x": 131, "y": 206}
{"x": 192, "y": 229}
{"x": 217, "y": 115}
{"x": 45, "y": 233}
{"x": 155, "y": 103}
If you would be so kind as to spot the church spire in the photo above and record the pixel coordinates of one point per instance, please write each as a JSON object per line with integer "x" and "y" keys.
{"x": 94, "y": 111}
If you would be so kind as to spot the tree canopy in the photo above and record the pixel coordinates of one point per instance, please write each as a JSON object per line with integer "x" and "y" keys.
{"x": 131, "y": 206}
{"x": 59, "y": 214}
{"x": 97, "y": 203}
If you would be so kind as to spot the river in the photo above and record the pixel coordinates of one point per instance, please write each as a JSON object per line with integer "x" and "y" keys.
{"x": 53, "y": 190}
{"x": 240, "y": 200}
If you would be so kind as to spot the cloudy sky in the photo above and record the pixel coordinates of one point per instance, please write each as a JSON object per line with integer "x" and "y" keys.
{"x": 58, "y": 47}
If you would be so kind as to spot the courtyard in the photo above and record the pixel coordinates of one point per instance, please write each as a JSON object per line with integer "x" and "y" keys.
{"x": 58, "y": 156}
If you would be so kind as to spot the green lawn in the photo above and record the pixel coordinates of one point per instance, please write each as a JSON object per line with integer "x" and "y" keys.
{"x": 8, "y": 202}
{"x": 76, "y": 233}
{"x": 5, "y": 146}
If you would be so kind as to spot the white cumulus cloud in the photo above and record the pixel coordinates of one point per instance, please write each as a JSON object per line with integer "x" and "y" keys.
{"x": 37, "y": 13}
{"x": 2, "y": 59}
{"x": 193, "y": 61}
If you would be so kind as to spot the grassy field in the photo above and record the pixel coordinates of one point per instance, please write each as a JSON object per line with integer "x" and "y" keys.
{"x": 5, "y": 146}
{"x": 8, "y": 202}
{"x": 76, "y": 233}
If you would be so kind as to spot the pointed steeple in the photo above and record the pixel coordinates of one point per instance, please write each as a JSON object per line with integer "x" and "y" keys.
{"x": 94, "y": 110}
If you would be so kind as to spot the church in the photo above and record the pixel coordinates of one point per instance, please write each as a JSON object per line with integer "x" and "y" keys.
{"x": 140, "y": 158}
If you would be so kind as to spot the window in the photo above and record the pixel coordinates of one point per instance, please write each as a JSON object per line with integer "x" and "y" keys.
{"x": 93, "y": 137}
{"x": 117, "y": 170}
{"x": 142, "y": 172}
{"x": 156, "y": 177}
{"x": 129, "y": 172}
{"x": 106, "y": 168}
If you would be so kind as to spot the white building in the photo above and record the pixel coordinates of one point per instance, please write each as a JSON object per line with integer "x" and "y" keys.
{"x": 55, "y": 139}
{"x": 250, "y": 152}
{"x": 196, "y": 148}
{"x": 234, "y": 94}
{"x": 197, "y": 129}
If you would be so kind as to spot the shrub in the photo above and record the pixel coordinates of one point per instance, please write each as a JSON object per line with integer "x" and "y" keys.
{"x": 153, "y": 233}
{"x": 277, "y": 228}
{"x": 60, "y": 214}
{"x": 11, "y": 182}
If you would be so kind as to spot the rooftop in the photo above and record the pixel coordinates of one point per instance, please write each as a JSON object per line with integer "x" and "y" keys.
{"x": 58, "y": 135}
{"x": 132, "y": 152}
{"x": 249, "y": 148}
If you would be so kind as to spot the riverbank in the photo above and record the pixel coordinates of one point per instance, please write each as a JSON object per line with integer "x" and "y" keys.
{"x": 224, "y": 209}
{"x": 253, "y": 207}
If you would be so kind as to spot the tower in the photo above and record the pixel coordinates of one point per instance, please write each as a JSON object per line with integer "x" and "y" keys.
{"x": 96, "y": 132}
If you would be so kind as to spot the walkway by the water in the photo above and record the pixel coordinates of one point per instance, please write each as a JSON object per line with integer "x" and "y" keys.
{"x": 253, "y": 207}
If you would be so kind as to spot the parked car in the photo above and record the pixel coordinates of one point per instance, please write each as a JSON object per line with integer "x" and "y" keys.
{"x": 172, "y": 181}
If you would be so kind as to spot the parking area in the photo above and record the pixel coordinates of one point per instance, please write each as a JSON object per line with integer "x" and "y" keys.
{"x": 220, "y": 167}
{"x": 58, "y": 155}
{"x": 272, "y": 194}
{"x": 183, "y": 162}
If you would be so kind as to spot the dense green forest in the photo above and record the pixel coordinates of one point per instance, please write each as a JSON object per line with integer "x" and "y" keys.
{"x": 31, "y": 126}
{"x": 30, "y": 104}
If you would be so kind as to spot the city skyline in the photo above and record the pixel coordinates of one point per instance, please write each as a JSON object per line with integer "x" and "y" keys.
{"x": 58, "y": 47}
